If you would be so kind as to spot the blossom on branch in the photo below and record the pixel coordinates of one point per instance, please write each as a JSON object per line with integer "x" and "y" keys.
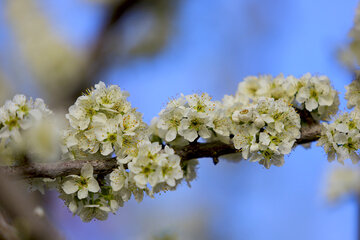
{"x": 265, "y": 131}
{"x": 313, "y": 93}
{"x": 261, "y": 122}
{"x": 104, "y": 121}
{"x": 22, "y": 119}
{"x": 341, "y": 139}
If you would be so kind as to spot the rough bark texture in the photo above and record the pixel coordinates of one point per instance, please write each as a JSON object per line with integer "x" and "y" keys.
{"x": 214, "y": 150}
{"x": 19, "y": 208}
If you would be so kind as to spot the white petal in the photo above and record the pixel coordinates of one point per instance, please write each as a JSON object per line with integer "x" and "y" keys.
{"x": 82, "y": 193}
{"x": 35, "y": 113}
{"x": 83, "y": 123}
{"x": 311, "y": 104}
{"x": 190, "y": 135}
{"x": 326, "y": 100}
{"x": 73, "y": 206}
{"x": 302, "y": 95}
{"x": 264, "y": 138}
{"x": 71, "y": 141}
{"x": 114, "y": 205}
{"x": 342, "y": 127}
{"x": 153, "y": 179}
{"x": 26, "y": 124}
{"x": 99, "y": 118}
{"x": 340, "y": 138}
{"x": 171, "y": 182}
{"x": 254, "y": 148}
{"x": 204, "y": 132}
{"x": 70, "y": 187}
{"x": 171, "y": 135}
{"x": 354, "y": 157}
{"x": 93, "y": 185}
{"x": 19, "y": 99}
{"x": 140, "y": 180}
{"x": 15, "y": 133}
{"x": 106, "y": 148}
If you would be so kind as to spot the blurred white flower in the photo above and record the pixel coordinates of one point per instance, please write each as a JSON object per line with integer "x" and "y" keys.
{"x": 352, "y": 94}
{"x": 343, "y": 181}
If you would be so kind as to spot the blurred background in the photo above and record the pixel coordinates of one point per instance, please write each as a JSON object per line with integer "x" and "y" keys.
{"x": 157, "y": 49}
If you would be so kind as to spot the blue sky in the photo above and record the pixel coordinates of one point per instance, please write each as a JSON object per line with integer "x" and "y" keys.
{"x": 214, "y": 45}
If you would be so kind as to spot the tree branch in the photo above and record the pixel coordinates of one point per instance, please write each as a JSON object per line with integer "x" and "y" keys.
{"x": 19, "y": 207}
{"x": 98, "y": 53}
{"x": 309, "y": 133}
{"x": 7, "y": 232}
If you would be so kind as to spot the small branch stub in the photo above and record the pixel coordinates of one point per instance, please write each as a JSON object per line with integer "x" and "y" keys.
{"x": 215, "y": 160}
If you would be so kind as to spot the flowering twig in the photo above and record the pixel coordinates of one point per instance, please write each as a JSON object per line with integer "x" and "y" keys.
{"x": 213, "y": 150}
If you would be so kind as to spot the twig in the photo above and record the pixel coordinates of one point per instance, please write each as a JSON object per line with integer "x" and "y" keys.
{"x": 214, "y": 150}
{"x": 96, "y": 61}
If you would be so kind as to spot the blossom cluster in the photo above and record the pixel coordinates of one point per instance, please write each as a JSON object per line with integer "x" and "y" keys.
{"x": 341, "y": 138}
{"x": 22, "y": 119}
{"x": 103, "y": 121}
{"x": 260, "y": 121}
{"x": 312, "y": 93}
{"x": 190, "y": 117}
{"x": 265, "y": 130}
{"x": 93, "y": 196}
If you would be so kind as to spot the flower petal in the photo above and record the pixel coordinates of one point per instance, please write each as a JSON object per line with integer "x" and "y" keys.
{"x": 82, "y": 193}
{"x": 93, "y": 185}
{"x": 70, "y": 187}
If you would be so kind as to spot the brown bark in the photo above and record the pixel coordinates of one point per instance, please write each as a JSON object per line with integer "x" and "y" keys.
{"x": 214, "y": 150}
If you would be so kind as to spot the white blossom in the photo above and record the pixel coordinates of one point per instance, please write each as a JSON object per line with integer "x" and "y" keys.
{"x": 254, "y": 87}
{"x": 190, "y": 117}
{"x": 195, "y": 124}
{"x": 353, "y": 94}
{"x": 313, "y": 93}
{"x": 82, "y": 184}
{"x": 92, "y": 211}
{"x": 103, "y": 120}
{"x": 265, "y": 131}
{"x": 170, "y": 168}
{"x": 341, "y": 139}
{"x": 155, "y": 165}
{"x": 28, "y": 127}
{"x": 118, "y": 178}
{"x": 342, "y": 181}
{"x": 20, "y": 114}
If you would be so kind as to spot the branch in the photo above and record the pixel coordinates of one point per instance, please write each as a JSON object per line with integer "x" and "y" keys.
{"x": 98, "y": 54}
{"x": 7, "y": 232}
{"x": 19, "y": 207}
{"x": 309, "y": 133}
